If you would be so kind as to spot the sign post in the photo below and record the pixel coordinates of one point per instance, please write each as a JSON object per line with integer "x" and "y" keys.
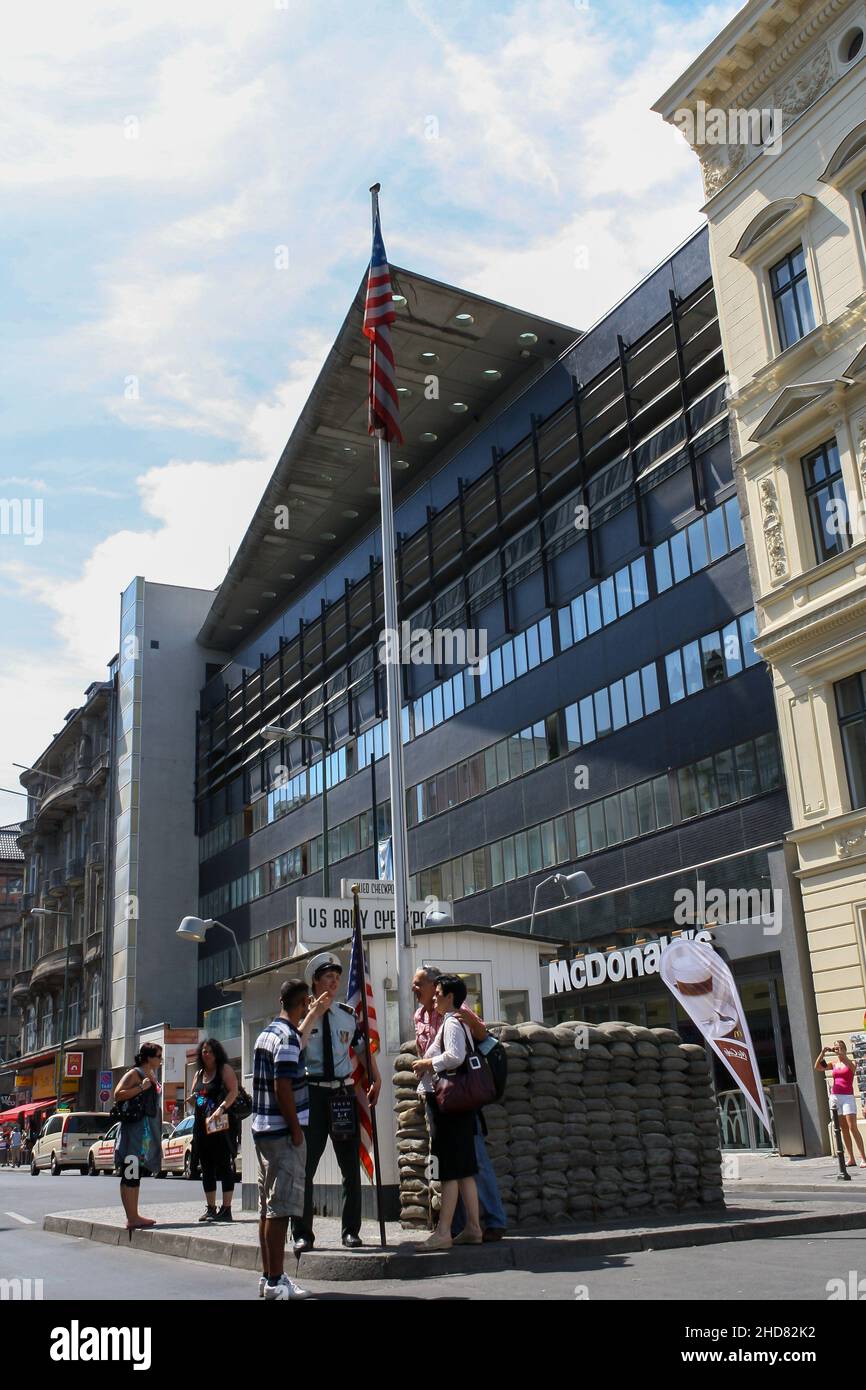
{"x": 321, "y": 921}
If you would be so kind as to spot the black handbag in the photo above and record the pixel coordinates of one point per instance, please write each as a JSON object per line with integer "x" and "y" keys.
{"x": 130, "y": 1110}
{"x": 243, "y": 1106}
{"x": 468, "y": 1088}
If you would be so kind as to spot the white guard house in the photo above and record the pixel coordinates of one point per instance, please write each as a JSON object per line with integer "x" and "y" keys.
{"x": 504, "y": 981}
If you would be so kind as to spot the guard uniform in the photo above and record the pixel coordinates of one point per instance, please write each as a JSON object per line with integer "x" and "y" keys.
{"x": 329, "y": 1070}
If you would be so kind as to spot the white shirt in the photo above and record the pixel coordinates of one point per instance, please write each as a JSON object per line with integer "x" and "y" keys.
{"x": 447, "y": 1050}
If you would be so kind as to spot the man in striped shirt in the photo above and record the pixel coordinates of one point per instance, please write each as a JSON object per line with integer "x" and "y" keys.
{"x": 281, "y": 1107}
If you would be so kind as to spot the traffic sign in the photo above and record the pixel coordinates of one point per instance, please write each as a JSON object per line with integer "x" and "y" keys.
{"x": 104, "y": 1096}
{"x": 324, "y": 920}
{"x": 105, "y": 1080}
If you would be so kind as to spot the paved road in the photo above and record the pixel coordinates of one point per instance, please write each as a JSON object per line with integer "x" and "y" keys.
{"x": 793, "y": 1269}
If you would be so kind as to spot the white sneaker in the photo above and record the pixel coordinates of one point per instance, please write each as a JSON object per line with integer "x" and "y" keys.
{"x": 284, "y": 1289}
{"x": 263, "y": 1280}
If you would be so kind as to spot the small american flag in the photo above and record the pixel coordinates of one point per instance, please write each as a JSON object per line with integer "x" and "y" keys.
{"x": 357, "y": 977}
{"x": 379, "y": 314}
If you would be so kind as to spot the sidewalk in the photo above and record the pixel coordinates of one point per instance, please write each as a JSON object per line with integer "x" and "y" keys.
{"x": 177, "y": 1234}
{"x": 767, "y": 1171}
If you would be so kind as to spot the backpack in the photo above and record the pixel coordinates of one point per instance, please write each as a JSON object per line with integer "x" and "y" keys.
{"x": 497, "y": 1060}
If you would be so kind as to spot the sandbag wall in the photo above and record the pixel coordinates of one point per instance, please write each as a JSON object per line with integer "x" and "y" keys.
{"x": 598, "y": 1121}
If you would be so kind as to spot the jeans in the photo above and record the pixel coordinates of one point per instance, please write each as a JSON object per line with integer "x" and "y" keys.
{"x": 492, "y": 1212}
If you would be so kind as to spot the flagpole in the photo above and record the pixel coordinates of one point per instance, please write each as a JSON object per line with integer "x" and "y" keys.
{"x": 365, "y": 1024}
{"x": 399, "y": 833}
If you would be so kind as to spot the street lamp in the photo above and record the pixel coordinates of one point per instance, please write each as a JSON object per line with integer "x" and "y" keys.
{"x": 572, "y": 886}
{"x": 58, "y": 1065}
{"x": 196, "y": 928}
{"x": 275, "y": 733}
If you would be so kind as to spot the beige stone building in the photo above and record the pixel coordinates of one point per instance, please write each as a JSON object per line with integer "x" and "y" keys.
{"x": 776, "y": 111}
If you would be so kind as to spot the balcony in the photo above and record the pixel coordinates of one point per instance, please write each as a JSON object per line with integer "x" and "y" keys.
{"x": 25, "y": 837}
{"x": 50, "y": 969}
{"x": 95, "y": 852}
{"x": 97, "y": 773}
{"x": 75, "y": 870}
{"x": 92, "y": 947}
{"x": 56, "y": 883}
{"x": 20, "y": 986}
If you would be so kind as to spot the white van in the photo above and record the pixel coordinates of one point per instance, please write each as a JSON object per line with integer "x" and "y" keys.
{"x": 65, "y": 1140}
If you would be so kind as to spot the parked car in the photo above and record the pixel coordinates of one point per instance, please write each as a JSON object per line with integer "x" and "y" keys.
{"x": 65, "y": 1141}
{"x": 101, "y": 1156}
{"x": 177, "y": 1152}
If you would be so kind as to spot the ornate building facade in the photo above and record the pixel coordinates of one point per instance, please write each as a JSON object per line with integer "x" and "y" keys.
{"x": 785, "y": 177}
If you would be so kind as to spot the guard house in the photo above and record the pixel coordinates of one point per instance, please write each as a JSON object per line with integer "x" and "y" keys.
{"x": 503, "y": 977}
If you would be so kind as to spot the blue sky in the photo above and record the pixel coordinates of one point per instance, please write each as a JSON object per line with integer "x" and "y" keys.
{"x": 154, "y": 157}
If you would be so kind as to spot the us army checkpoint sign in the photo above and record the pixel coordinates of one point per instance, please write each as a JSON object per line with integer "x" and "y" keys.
{"x": 324, "y": 920}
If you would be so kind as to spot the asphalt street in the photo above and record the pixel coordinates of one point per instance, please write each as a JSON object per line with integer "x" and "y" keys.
{"x": 796, "y": 1268}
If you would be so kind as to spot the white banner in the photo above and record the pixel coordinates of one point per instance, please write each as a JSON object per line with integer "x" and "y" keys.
{"x": 703, "y": 985}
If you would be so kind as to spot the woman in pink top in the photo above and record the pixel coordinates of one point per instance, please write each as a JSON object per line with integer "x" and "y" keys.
{"x": 842, "y": 1097}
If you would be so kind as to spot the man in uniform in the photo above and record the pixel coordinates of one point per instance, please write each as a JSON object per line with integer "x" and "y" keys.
{"x": 329, "y": 1071}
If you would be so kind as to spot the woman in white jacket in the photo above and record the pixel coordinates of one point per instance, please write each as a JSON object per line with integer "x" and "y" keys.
{"x": 453, "y": 1135}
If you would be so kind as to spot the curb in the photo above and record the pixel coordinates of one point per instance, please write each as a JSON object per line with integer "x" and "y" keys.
{"x": 524, "y": 1252}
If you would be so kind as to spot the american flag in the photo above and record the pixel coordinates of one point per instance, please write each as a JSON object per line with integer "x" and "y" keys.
{"x": 357, "y": 973}
{"x": 379, "y": 314}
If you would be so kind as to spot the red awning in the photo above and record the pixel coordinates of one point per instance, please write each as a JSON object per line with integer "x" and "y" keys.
{"x": 23, "y": 1112}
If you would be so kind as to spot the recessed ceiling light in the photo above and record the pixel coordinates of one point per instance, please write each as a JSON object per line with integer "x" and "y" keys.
{"x": 524, "y": 352}
{"x": 428, "y": 437}
{"x": 276, "y": 540}
{"x": 287, "y": 576}
{"x": 308, "y": 556}
{"x": 399, "y": 299}
{"x": 254, "y": 612}
{"x": 491, "y": 374}
{"x": 349, "y": 513}
{"x": 464, "y": 319}
{"x": 328, "y": 535}
{"x": 236, "y": 627}
{"x": 326, "y": 477}
{"x": 458, "y": 407}
{"x": 269, "y": 593}
{"x": 428, "y": 356}
{"x": 347, "y": 449}
{"x": 527, "y": 338}
{"x": 404, "y": 391}
{"x": 373, "y": 491}
{"x": 401, "y": 463}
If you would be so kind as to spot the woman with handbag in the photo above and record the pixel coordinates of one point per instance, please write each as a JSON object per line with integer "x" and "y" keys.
{"x": 214, "y": 1092}
{"x": 138, "y": 1147}
{"x": 453, "y": 1131}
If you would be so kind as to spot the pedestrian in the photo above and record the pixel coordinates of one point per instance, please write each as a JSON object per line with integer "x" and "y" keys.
{"x": 138, "y": 1147}
{"x": 4, "y": 1148}
{"x": 214, "y": 1092}
{"x": 333, "y": 1104}
{"x": 453, "y": 1135}
{"x": 842, "y": 1097}
{"x": 15, "y": 1146}
{"x": 426, "y": 1019}
{"x": 427, "y": 1023}
{"x": 280, "y": 1112}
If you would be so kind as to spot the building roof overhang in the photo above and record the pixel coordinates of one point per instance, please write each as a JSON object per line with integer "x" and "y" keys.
{"x": 324, "y": 482}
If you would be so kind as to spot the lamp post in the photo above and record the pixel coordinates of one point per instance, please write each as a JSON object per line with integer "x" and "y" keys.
{"x": 58, "y": 1062}
{"x": 572, "y": 886}
{"x": 275, "y": 733}
{"x": 196, "y": 928}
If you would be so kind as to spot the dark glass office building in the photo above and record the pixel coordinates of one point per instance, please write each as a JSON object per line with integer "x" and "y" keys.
{"x": 569, "y": 498}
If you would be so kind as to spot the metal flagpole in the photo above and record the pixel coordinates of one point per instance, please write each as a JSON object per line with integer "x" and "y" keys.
{"x": 399, "y": 849}
{"x": 365, "y": 1024}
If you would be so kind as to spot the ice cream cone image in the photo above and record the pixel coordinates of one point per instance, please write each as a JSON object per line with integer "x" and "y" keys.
{"x": 703, "y": 985}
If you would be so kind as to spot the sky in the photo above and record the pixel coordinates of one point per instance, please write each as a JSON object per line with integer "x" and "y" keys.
{"x": 186, "y": 221}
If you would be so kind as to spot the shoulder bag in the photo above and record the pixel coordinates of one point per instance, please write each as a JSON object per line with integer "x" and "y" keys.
{"x": 468, "y": 1088}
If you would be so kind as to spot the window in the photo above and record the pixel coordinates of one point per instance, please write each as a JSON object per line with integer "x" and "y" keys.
{"x": 851, "y": 708}
{"x": 593, "y": 610}
{"x": 662, "y": 562}
{"x": 674, "y": 673}
{"x": 792, "y": 299}
{"x": 825, "y": 498}
{"x": 649, "y": 682}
